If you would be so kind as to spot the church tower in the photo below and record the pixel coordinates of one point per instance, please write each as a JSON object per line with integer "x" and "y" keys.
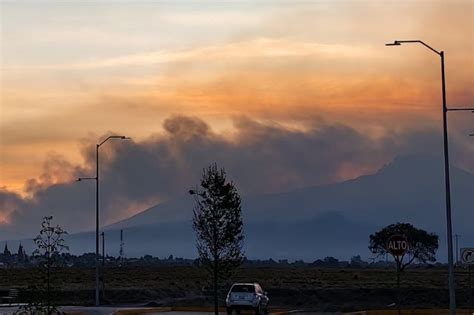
{"x": 6, "y": 251}
{"x": 21, "y": 254}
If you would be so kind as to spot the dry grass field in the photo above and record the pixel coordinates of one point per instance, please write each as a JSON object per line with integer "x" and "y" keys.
{"x": 288, "y": 287}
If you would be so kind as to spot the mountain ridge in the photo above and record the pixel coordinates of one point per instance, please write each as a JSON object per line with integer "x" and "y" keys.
{"x": 312, "y": 222}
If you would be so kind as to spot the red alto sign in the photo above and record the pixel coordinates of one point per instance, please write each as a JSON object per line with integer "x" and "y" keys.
{"x": 397, "y": 245}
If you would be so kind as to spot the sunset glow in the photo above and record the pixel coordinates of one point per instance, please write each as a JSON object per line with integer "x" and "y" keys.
{"x": 74, "y": 71}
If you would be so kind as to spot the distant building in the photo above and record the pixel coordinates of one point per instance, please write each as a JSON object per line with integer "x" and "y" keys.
{"x": 6, "y": 257}
{"x": 6, "y": 251}
{"x": 20, "y": 258}
{"x": 21, "y": 255}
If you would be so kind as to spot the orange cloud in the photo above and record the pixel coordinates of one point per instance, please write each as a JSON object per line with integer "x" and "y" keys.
{"x": 326, "y": 61}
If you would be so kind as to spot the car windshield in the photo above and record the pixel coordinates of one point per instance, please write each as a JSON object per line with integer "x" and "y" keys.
{"x": 243, "y": 288}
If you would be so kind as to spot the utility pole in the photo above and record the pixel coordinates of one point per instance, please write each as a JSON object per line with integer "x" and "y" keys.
{"x": 121, "y": 254}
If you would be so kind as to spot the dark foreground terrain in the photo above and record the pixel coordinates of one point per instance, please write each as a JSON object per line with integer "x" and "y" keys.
{"x": 288, "y": 287}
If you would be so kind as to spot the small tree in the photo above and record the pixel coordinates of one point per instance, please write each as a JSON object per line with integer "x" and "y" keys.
{"x": 218, "y": 224}
{"x": 49, "y": 243}
{"x": 422, "y": 245}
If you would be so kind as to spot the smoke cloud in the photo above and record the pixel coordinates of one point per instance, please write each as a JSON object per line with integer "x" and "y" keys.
{"x": 259, "y": 156}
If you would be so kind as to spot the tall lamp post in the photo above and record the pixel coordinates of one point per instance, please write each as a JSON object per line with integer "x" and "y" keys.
{"x": 103, "y": 265}
{"x": 452, "y": 298}
{"x": 96, "y": 178}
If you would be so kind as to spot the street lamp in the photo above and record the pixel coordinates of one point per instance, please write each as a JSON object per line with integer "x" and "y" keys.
{"x": 452, "y": 300}
{"x": 103, "y": 265}
{"x": 96, "y": 178}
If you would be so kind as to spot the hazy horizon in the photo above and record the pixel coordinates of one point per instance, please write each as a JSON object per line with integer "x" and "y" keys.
{"x": 283, "y": 95}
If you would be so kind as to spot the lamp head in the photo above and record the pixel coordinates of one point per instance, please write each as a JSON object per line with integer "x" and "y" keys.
{"x": 395, "y": 43}
{"x": 118, "y": 137}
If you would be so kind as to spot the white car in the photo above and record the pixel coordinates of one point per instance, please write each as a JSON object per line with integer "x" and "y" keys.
{"x": 247, "y": 296}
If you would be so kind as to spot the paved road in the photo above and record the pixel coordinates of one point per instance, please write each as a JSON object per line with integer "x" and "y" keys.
{"x": 74, "y": 309}
{"x": 6, "y": 310}
{"x": 209, "y": 313}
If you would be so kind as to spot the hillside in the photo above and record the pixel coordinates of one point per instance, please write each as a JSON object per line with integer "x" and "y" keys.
{"x": 313, "y": 222}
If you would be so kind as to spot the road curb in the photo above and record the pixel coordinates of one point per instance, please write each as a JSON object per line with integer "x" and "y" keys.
{"x": 185, "y": 309}
{"x": 144, "y": 310}
{"x": 410, "y": 312}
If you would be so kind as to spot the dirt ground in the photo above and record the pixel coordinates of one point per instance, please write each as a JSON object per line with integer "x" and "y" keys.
{"x": 288, "y": 287}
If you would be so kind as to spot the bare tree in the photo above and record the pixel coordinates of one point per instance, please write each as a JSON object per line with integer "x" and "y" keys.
{"x": 218, "y": 224}
{"x": 49, "y": 243}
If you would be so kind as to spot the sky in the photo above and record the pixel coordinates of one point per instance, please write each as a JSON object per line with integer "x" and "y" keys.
{"x": 283, "y": 94}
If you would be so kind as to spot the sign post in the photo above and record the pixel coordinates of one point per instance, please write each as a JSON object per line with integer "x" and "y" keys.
{"x": 397, "y": 245}
{"x": 467, "y": 257}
